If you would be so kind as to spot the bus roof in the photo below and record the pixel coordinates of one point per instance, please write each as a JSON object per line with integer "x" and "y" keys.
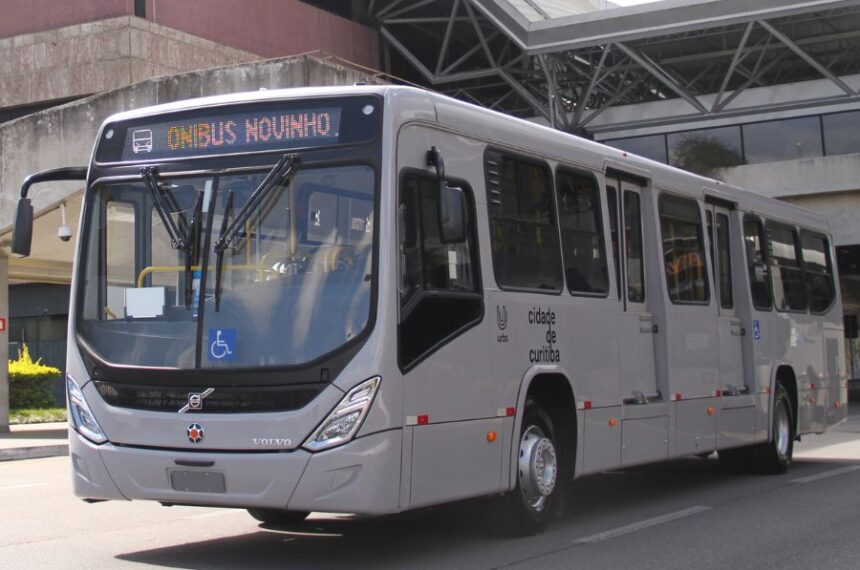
{"x": 530, "y": 137}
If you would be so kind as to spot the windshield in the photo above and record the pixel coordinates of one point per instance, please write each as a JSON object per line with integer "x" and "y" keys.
{"x": 294, "y": 284}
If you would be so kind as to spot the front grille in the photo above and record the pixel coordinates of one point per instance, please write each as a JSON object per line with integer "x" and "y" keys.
{"x": 224, "y": 400}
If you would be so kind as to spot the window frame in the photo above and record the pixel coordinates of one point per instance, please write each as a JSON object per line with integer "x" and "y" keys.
{"x": 504, "y": 154}
{"x": 830, "y": 265}
{"x": 798, "y": 256}
{"x": 749, "y": 216}
{"x": 706, "y": 302}
{"x": 585, "y": 173}
{"x": 414, "y": 299}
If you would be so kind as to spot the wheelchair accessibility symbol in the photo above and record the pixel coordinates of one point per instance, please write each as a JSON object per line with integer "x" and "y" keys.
{"x": 222, "y": 344}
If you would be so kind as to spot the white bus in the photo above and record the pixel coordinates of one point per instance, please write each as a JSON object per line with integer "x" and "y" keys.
{"x": 373, "y": 299}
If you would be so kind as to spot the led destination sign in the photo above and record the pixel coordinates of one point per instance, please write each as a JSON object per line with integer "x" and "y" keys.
{"x": 232, "y": 133}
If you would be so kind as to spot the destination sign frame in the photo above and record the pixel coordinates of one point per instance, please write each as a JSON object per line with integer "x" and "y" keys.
{"x": 241, "y": 128}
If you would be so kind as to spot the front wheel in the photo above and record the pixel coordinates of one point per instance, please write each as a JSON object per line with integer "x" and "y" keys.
{"x": 278, "y": 517}
{"x": 534, "y": 499}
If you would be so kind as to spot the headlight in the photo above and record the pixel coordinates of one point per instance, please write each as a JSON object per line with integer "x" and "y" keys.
{"x": 80, "y": 415}
{"x": 343, "y": 422}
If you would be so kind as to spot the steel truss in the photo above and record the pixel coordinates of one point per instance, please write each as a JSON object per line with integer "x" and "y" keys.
{"x": 454, "y": 47}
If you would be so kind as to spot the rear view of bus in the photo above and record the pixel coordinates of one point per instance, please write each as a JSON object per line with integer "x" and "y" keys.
{"x": 226, "y": 278}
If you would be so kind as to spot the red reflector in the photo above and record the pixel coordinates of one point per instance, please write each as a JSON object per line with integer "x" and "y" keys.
{"x": 587, "y": 404}
{"x": 718, "y": 393}
{"x": 511, "y": 412}
{"x": 678, "y": 396}
{"x": 423, "y": 420}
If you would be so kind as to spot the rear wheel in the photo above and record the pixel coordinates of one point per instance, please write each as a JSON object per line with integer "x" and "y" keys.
{"x": 775, "y": 456}
{"x": 278, "y": 517}
{"x": 535, "y": 498}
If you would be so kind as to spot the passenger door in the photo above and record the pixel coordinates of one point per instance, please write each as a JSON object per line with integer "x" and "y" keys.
{"x": 737, "y": 416}
{"x": 645, "y": 415}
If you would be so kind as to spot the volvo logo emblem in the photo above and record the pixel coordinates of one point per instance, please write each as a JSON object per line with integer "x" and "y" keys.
{"x": 195, "y": 433}
{"x": 195, "y": 400}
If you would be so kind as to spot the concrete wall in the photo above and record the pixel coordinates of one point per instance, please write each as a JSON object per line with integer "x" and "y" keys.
{"x": 99, "y": 56}
{"x": 270, "y": 28}
{"x": 826, "y": 174}
{"x": 842, "y": 211}
{"x": 64, "y": 136}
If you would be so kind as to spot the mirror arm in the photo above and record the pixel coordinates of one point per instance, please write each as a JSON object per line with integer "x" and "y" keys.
{"x": 434, "y": 158}
{"x": 53, "y": 175}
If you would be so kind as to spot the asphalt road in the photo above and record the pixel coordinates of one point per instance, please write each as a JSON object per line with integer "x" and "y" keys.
{"x": 682, "y": 514}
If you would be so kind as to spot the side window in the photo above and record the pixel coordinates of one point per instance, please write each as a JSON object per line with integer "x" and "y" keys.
{"x": 439, "y": 285}
{"x": 633, "y": 242}
{"x": 786, "y": 274}
{"x": 522, "y": 224}
{"x": 120, "y": 267}
{"x": 612, "y": 204}
{"x": 818, "y": 269}
{"x": 582, "y": 233}
{"x": 683, "y": 250}
{"x": 725, "y": 262}
{"x": 757, "y": 263}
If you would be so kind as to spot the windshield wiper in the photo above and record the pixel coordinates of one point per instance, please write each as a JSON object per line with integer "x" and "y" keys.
{"x": 193, "y": 241}
{"x": 219, "y": 254}
{"x": 177, "y": 240}
{"x": 279, "y": 174}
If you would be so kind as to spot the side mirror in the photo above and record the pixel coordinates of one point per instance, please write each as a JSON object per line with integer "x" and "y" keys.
{"x": 452, "y": 214}
{"x": 22, "y": 234}
{"x": 452, "y": 211}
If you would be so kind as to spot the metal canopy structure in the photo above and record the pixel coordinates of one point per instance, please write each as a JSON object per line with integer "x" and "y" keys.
{"x": 531, "y": 57}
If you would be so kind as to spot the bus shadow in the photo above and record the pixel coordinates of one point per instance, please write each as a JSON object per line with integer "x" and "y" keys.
{"x": 464, "y": 534}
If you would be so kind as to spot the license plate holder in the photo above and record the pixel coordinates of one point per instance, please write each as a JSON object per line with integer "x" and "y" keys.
{"x": 198, "y": 481}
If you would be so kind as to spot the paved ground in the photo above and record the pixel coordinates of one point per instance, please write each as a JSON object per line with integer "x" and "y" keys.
{"x": 683, "y": 514}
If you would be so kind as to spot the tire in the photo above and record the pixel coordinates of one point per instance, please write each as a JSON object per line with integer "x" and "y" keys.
{"x": 537, "y": 496}
{"x": 278, "y": 517}
{"x": 775, "y": 456}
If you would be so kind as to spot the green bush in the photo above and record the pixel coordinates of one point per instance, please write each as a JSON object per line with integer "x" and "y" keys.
{"x": 31, "y": 383}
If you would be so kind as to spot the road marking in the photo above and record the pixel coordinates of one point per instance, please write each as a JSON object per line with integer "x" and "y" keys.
{"x": 826, "y": 474}
{"x": 23, "y": 485}
{"x": 622, "y": 530}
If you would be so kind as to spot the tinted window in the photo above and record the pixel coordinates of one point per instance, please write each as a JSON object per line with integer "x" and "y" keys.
{"x": 612, "y": 204}
{"x": 633, "y": 242}
{"x": 439, "y": 287}
{"x": 582, "y": 233}
{"x": 788, "y": 139}
{"x": 683, "y": 250}
{"x": 840, "y": 133}
{"x": 757, "y": 263}
{"x": 652, "y": 146}
{"x": 706, "y": 151}
{"x": 786, "y": 274}
{"x": 522, "y": 222}
{"x": 724, "y": 261}
{"x": 818, "y": 270}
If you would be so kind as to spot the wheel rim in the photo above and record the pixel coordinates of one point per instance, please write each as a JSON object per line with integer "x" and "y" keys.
{"x": 783, "y": 429}
{"x": 538, "y": 468}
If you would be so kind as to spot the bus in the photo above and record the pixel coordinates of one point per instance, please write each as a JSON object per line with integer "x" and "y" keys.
{"x": 371, "y": 299}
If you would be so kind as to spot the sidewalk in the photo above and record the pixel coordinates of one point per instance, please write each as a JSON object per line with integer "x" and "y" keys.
{"x": 30, "y": 441}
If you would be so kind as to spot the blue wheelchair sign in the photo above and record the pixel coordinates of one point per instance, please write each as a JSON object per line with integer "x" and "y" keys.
{"x": 756, "y": 331}
{"x": 222, "y": 344}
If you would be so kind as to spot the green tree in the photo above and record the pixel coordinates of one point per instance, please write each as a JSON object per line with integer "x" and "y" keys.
{"x": 705, "y": 155}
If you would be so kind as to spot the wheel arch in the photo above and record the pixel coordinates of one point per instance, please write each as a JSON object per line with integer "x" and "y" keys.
{"x": 551, "y": 387}
{"x": 784, "y": 374}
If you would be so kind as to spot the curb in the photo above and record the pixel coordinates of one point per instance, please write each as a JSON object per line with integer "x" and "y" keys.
{"x": 34, "y": 452}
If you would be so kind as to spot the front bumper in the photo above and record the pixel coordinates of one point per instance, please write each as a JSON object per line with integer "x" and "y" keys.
{"x": 362, "y": 476}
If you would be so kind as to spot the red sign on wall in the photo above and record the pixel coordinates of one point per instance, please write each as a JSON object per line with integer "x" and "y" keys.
{"x": 2, "y": 324}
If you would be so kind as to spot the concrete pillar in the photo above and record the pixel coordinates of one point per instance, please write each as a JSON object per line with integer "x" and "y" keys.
{"x": 4, "y": 344}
